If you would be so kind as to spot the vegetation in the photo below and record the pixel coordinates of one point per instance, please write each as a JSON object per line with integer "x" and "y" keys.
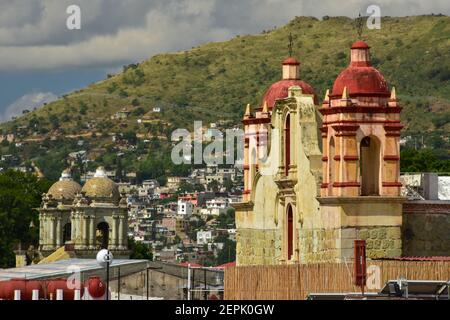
{"x": 226, "y": 220}
{"x": 139, "y": 250}
{"x": 20, "y": 194}
{"x": 424, "y": 160}
{"x": 228, "y": 252}
{"x": 215, "y": 81}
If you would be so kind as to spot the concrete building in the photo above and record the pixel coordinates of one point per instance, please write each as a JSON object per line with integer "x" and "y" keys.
{"x": 219, "y": 203}
{"x": 204, "y": 237}
{"x": 185, "y": 208}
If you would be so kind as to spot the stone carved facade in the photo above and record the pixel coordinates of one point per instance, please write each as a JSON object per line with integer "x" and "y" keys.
{"x": 330, "y": 175}
{"x": 89, "y": 218}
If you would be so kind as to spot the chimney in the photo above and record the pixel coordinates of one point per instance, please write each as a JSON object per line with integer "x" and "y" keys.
{"x": 430, "y": 183}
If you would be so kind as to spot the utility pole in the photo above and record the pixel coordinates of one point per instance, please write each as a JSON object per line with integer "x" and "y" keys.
{"x": 189, "y": 282}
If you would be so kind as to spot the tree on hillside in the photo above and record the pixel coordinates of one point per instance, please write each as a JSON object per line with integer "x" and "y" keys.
{"x": 213, "y": 186}
{"x": 140, "y": 250}
{"x": 20, "y": 194}
{"x": 228, "y": 252}
{"x": 226, "y": 220}
{"x": 423, "y": 160}
{"x": 152, "y": 168}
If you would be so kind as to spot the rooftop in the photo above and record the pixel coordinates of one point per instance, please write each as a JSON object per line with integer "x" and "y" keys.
{"x": 64, "y": 268}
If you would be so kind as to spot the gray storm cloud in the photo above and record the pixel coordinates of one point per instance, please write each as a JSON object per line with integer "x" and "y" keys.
{"x": 27, "y": 102}
{"x": 34, "y": 36}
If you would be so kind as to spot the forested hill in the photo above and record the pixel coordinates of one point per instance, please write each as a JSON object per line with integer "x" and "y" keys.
{"x": 214, "y": 81}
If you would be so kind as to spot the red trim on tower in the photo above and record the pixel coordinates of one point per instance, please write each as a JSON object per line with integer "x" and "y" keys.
{"x": 346, "y": 134}
{"x": 291, "y": 61}
{"x": 256, "y": 121}
{"x": 391, "y": 158}
{"x": 392, "y": 134}
{"x": 361, "y": 121}
{"x": 360, "y": 44}
{"x": 392, "y": 184}
{"x": 359, "y": 109}
{"x": 346, "y": 184}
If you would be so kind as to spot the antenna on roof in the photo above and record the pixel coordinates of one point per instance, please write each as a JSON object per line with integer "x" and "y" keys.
{"x": 291, "y": 44}
{"x": 359, "y": 25}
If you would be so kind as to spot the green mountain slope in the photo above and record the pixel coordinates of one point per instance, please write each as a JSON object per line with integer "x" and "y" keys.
{"x": 214, "y": 81}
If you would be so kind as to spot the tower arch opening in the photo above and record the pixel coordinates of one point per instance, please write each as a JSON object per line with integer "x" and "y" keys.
{"x": 290, "y": 232}
{"x": 103, "y": 235}
{"x": 370, "y": 166}
{"x": 287, "y": 144}
{"x": 67, "y": 232}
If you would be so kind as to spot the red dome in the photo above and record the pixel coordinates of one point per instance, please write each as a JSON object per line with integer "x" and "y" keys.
{"x": 279, "y": 90}
{"x": 360, "y": 77}
{"x": 361, "y": 80}
{"x": 291, "y": 61}
{"x": 360, "y": 45}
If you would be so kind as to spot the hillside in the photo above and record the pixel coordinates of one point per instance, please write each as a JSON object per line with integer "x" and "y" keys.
{"x": 214, "y": 82}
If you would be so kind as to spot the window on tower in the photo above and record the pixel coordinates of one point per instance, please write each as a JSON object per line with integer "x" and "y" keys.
{"x": 287, "y": 144}
{"x": 370, "y": 166}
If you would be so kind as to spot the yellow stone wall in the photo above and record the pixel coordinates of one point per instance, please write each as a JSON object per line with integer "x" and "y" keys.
{"x": 261, "y": 221}
{"x": 258, "y": 247}
{"x": 325, "y": 230}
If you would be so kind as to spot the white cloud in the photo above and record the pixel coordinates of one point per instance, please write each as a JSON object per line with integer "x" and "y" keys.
{"x": 27, "y": 102}
{"x": 35, "y": 37}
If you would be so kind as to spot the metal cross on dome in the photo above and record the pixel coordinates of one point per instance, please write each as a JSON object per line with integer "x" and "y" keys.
{"x": 291, "y": 44}
{"x": 359, "y": 25}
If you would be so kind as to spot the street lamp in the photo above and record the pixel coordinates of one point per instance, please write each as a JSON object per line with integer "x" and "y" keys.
{"x": 104, "y": 259}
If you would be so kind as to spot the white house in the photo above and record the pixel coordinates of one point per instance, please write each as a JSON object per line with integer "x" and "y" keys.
{"x": 185, "y": 207}
{"x": 204, "y": 237}
{"x": 217, "y": 203}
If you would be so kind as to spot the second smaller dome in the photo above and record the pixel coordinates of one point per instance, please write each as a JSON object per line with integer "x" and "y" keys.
{"x": 65, "y": 188}
{"x": 100, "y": 187}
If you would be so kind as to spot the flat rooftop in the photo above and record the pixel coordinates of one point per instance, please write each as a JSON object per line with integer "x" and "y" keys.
{"x": 65, "y": 268}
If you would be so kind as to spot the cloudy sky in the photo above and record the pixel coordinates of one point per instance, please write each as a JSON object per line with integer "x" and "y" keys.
{"x": 41, "y": 59}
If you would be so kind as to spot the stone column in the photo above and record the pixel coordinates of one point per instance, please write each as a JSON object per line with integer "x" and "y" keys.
{"x": 52, "y": 232}
{"x": 72, "y": 227}
{"x": 325, "y": 170}
{"x": 121, "y": 231}
{"x": 92, "y": 232}
{"x": 58, "y": 232}
{"x": 113, "y": 243}
{"x": 41, "y": 230}
{"x": 85, "y": 240}
{"x": 77, "y": 225}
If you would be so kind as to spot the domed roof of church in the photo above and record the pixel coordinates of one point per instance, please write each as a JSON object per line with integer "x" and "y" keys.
{"x": 279, "y": 89}
{"x": 360, "y": 44}
{"x": 291, "y": 61}
{"x": 101, "y": 187}
{"x": 65, "y": 188}
{"x": 360, "y": 77}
